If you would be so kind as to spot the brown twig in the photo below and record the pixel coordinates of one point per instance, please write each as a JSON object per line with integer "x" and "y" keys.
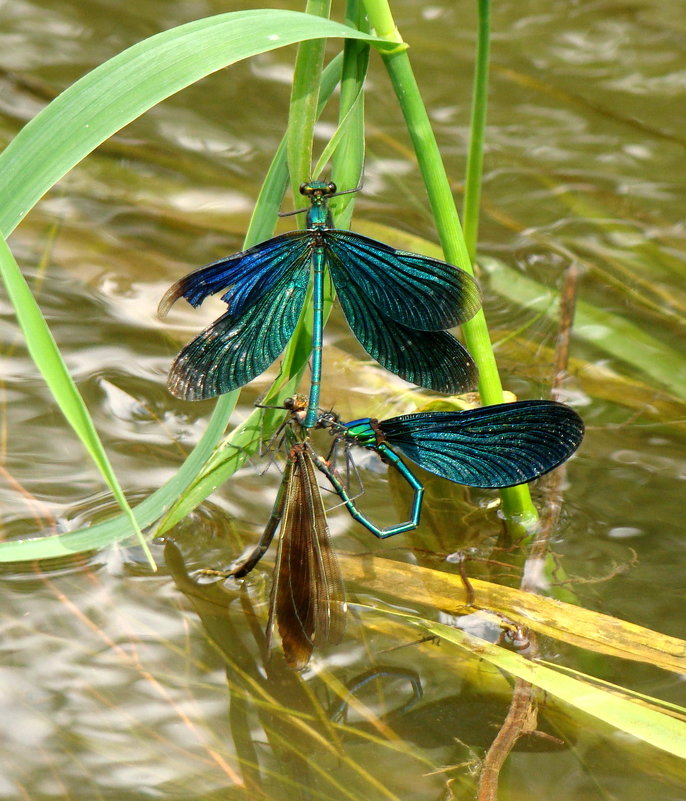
{"x": 522, "y": 716}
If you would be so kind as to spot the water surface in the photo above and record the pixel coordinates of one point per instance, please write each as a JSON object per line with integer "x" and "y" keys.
{"x": 116, "y": 684}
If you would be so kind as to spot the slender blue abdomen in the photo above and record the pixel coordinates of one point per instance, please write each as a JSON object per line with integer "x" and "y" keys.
{"x": 317, "y": 336}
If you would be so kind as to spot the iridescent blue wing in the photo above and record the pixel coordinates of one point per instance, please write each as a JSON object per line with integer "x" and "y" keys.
{"x": 413, "y": 290}
{"x": 431, "y": 359}
{"x": 236, "y": 349}
{"x": 245, "y": 276}
{"x": 493, "y": 446}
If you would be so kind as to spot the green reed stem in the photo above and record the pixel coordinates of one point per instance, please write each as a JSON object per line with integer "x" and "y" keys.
{"x": 302, "y": 115}
{"x": 347, "y": 164}
{"x": 475, "y": 157}
{"x": 517, "y": 505}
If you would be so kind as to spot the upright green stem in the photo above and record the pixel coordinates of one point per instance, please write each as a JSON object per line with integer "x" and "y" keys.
{"x": 517, "y": 502}
{"x": 304, "y": 100}
{"x": 475, "y": 158}
{"x": 444, "y": 212}
{"x": 517, "y": 505}
{"x": 347, "y": 164}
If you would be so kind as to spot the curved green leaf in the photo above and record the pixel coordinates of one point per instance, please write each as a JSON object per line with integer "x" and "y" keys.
{"x": 48, "y": 359}
{"x": 117, "y": 92}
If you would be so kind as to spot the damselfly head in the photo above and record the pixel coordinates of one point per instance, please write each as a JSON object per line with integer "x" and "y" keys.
{"x": 296, "y": 403}
{"x": 321, "y": 189}
{"x": 318, "y": 189}
{"x": 329, "y": 420}
{"x": 297, "y": 407}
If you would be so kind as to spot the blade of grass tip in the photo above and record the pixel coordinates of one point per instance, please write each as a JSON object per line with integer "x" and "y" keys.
{"x": 669, "y": 707}
{"x": 48, "y": 359}
{"x": 348, "y": 159}
{"x": 333, "y": 144}
{"x": 269, "y": 199}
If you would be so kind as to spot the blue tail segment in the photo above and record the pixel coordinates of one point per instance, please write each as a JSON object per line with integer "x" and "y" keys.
{"x": 317, "y": 338}
{"x": 394, "y": 461}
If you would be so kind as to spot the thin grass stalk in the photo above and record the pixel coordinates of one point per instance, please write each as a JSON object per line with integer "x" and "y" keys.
{"x": 302, "y": 115}
{"x": 348, "y": 160}
{"x": 477, "y": 129}
{"x": 518, "y": 508}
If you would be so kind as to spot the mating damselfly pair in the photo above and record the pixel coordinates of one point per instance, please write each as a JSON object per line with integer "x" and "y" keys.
{"x": 399, "y": 305}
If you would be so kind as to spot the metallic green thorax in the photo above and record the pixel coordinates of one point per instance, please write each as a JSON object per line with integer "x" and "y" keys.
{"x": 364, "y": 431}
{"x": 318, "y": 215}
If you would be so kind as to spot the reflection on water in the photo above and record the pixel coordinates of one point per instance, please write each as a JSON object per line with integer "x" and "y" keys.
{"x": 117, "y": 683}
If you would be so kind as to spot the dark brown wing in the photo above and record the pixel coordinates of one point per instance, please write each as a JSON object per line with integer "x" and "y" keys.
{"x": 307, "y": 598}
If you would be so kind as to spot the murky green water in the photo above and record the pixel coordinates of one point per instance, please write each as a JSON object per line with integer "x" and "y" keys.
{"x": 117, "y": 685}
